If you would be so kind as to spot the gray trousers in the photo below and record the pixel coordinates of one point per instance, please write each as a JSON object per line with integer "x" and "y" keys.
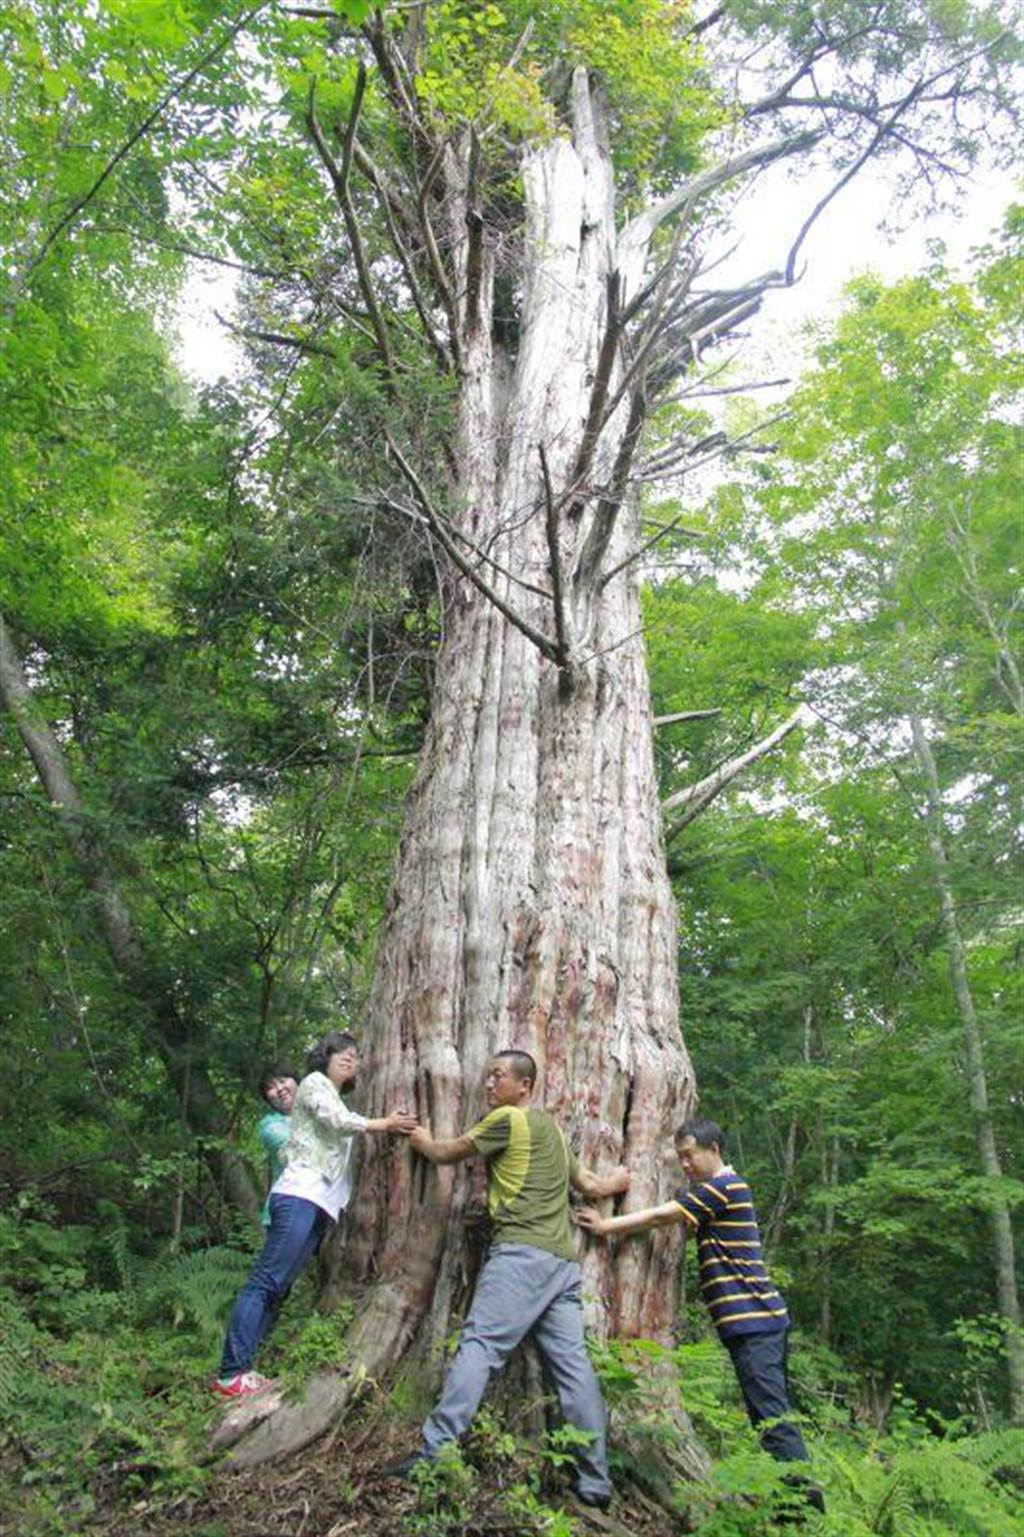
{"x": 525, "y": 1291}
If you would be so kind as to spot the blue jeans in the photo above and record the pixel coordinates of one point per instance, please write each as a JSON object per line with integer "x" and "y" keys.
{"x": 296, "y": 1230}
{"x": 760, "y": 1363}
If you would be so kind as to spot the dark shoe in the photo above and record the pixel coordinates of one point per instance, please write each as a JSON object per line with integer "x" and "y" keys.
{"x": 809, "y": 1493}
{"x": 404, "y": 1468}
{"x": 594, "y": 1501}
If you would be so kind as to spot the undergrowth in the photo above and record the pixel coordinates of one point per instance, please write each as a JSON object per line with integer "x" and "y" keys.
{"x": 922, "y": 1477}
{"x": 104, "y": 1403}
{"x": 104, "y": 1381}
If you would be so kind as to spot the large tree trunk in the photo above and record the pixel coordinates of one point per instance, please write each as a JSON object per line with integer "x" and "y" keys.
{"x": 157, "y": 1009}
{"x": 974, "y": 1052}
{"x": 531, "y": 905}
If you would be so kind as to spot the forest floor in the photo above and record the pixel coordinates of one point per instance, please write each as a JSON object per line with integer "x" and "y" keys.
{"x": 334, "y": 1489}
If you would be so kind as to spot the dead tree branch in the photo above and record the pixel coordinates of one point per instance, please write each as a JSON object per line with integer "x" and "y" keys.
{"x": 441, "y": 283}
{"x": 545, "y": 645}
{"x": 595, "y": 546}
{"x": 596, "y": 414}
{"x": 562, "y": 627}
{"x": 481, "y": 554}
{"x": 681, "y": 715}
{"x": 696, "y": 798}
{"x": 277, "y": 338}
{"x": 395, "y": 213}
{"x": 640, "y": 229}
{"x": 339, "y": 180}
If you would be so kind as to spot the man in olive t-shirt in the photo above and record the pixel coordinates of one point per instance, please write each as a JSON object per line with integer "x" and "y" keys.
{"x": 530, "y": 1283}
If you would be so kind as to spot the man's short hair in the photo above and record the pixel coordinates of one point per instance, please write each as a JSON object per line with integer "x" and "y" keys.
{"x": 328, "y": 1046}
{"x": 704, "y": 1132}
{"x": 521, "y": 1063}
{"x": 271, "y": 1074}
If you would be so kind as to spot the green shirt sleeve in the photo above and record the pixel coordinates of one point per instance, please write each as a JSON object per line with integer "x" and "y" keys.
{"x": 491, "y": 1135}
{"x": 274, "y": 1132}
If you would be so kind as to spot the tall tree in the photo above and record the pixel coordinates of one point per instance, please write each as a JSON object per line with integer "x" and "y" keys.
{"x": 525, "y": 200}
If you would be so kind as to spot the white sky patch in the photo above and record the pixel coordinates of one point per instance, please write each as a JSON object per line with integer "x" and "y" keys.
{"x": 845, "y": 241}
{"x": 206, "y": 349}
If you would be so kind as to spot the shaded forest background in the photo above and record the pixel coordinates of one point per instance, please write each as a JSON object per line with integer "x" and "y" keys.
{"x": 227, "y": 641}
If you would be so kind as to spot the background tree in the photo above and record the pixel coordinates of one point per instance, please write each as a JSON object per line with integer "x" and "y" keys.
{"x": 889, "y": 514}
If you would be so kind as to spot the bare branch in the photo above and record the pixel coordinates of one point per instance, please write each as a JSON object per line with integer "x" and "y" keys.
{"x": 456, "y": 533}
{"x": 640, "y": 229}
{"x": 667, "y": 305}
{"x": 339, "y": 180}
{"x": 596, "y": 415}
{"x": 696, "y": 798}
{"x": 596, "y": 544}
{"x": 706, "y": 322}
{"x": 847, "y": 177}
{"x": 562, "y": 630}
{"x": 441, "y": 283}
{"x": 395, "y": 75}
{"x": 669, "y": 467}
{"x": 393, "y": 209}
{"x": 277, "y": 338}
{"x": 544, "y": 644}
{"x": 614, "y": 645}
{"x": 729, "y": 389}
{"x": 674, "y": 527}
{"x": 680, "y": 715}
{"x": 708, "y": 21}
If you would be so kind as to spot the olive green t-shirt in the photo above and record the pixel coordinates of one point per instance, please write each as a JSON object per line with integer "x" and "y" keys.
{"x": 528, "y": 1173}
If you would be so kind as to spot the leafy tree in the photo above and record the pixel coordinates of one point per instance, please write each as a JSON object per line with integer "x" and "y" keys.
{"x": 890, "y": 516}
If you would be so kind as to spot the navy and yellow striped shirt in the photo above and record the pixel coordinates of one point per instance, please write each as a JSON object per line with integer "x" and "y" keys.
{"x": 733, "y": 1280}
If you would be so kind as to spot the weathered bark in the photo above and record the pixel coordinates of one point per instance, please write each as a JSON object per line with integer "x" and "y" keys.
{"x": 157, "y": 1009}
{"x": 974, "y": 1052}
{"x": 531, "y": 905}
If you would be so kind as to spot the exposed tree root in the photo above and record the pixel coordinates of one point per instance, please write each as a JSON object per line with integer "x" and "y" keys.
{"x": 659, "y": 1436}
{"x": 270, "y": 1425}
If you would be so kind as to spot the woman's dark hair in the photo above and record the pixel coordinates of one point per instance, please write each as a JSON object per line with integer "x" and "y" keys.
{"x": 269, "y": 1074}
{"x": 326, "y": 1047}
{"x": 704, "y": 1133}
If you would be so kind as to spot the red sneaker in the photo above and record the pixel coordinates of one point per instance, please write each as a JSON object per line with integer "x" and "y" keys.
{"x": 241, "y": 1385}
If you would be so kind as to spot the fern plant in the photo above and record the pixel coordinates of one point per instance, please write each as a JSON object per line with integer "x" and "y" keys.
{"x": 192, "y": 1290}
{"x": 19, "y": 1336}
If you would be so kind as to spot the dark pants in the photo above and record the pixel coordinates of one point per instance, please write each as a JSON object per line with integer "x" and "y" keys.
{"x": 760, "y": 1363}
{"x": 295, "y": 1233}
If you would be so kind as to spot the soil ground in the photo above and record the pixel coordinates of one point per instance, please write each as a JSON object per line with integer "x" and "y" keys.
{"x": 335, "y": 1490}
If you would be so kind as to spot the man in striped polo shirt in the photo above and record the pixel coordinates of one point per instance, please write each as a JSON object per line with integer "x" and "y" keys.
{"x": 746, "y": 1309}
